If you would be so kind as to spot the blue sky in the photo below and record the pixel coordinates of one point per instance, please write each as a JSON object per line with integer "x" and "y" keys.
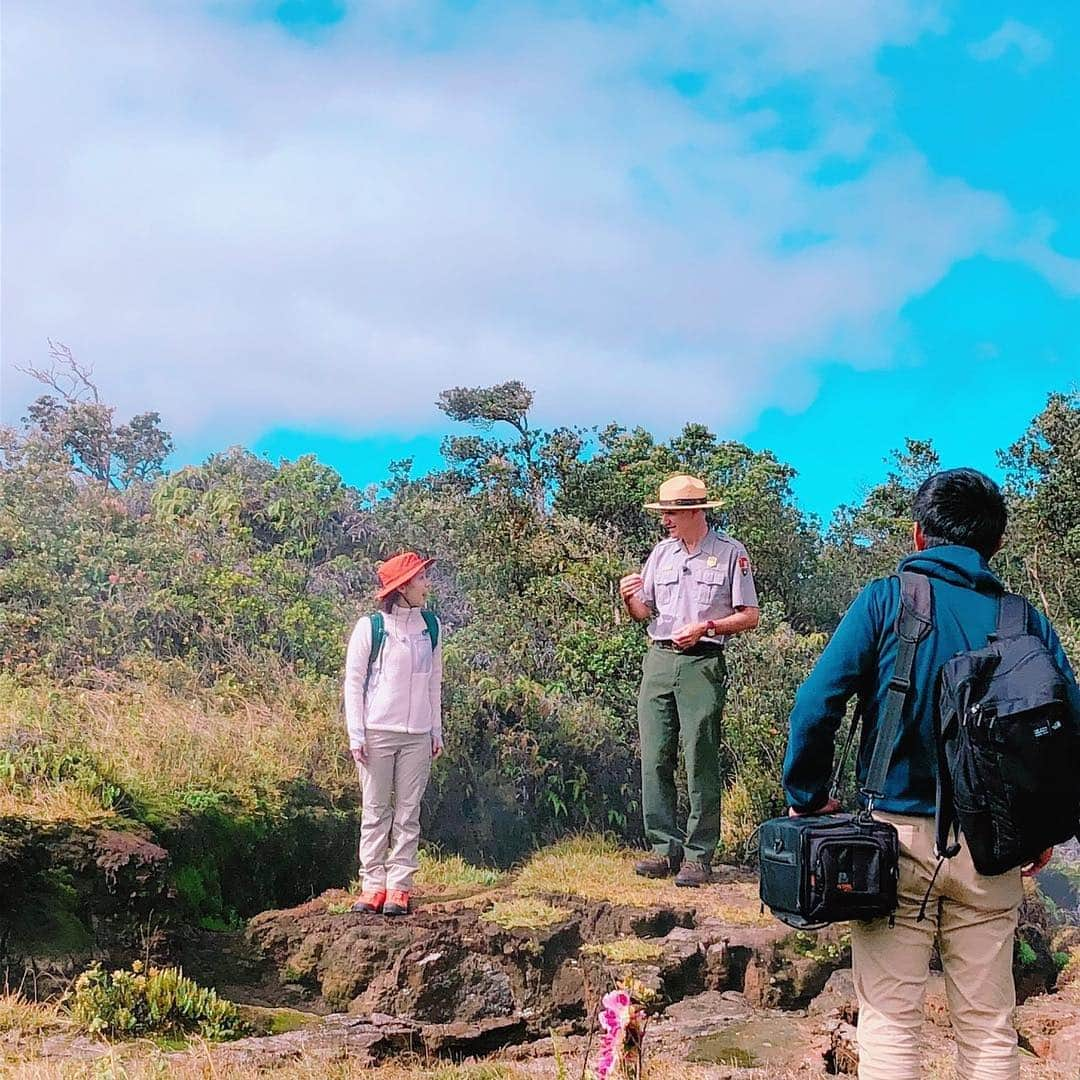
{"x": 817, "y": 228}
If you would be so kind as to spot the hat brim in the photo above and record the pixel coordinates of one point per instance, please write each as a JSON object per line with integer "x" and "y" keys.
{"x": 697, "y": 506}
{"x": 396, "y": 584}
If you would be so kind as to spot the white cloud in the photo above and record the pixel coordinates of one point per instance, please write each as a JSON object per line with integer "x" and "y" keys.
{"x": 1022, "y": 44}
{"x": 243, "y": 229}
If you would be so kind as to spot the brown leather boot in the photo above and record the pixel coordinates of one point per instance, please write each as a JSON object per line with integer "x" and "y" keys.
{"x": 655, "y": 866}
{"x": 693, "y": 874}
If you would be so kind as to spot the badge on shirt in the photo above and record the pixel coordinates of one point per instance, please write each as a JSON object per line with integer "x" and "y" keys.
{"x": 744, "y": 565}
{"x": 711, "y": 560}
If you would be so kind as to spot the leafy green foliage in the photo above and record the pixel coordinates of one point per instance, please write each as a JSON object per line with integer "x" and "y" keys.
{"x": 1043, "y": 485}
{"x": 161, "y": 1001}
{"x": 240, "y": 579}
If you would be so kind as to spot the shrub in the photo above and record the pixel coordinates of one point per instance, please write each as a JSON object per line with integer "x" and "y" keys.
{"x": 161, "y": 1001}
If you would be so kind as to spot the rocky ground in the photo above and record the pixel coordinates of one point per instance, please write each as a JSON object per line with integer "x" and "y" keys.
{"x": 513, "y": 977}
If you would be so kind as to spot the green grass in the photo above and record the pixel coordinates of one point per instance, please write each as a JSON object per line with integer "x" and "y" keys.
{"x": 626, "y": 950}
{"x": 597, "y": 868}
{"x": 524, "y": 913}
{"x": 452, "y": 872}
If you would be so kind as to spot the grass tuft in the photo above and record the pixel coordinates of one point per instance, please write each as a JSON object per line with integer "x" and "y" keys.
{"x": 626, "y": 950}
{"x": 524, "y": 913}
{"x": 21, "y": 1015}
{"x": 452, "y": 873}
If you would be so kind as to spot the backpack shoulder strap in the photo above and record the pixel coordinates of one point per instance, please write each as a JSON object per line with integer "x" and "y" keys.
{"x": 378, "y": 636}
{"x": 432, "y": 624}
{"x": 913, "y": 623}
{"x": 1012, "y": 620}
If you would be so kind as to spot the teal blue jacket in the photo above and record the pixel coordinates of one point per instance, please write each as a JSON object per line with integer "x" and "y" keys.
{"x": 859, "y": 659}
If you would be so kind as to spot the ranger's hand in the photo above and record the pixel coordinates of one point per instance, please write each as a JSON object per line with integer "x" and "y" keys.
{"x": 688, "y": 635}
{"x": 1033, "y": 868}
{"x": 359, "y": 755}
{"x": 632, "y": 583}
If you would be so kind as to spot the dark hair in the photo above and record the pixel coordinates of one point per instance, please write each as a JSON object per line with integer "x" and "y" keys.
{"x": 961, "y": 506}
{"x": 386, "y": 605}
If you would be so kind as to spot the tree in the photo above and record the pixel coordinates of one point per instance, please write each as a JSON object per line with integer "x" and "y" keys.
{"x": 1042, "y": 484}
{"x": 525, "y": 466}
{"x": 611, "y": 487}
{"x": 78, "y": 426}
{"x": 867, "y": 541}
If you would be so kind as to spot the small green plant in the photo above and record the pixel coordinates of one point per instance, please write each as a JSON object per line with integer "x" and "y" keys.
{"x": 337, "y": 907}
{"x": 1061, "y": 960}
{"x": 161, "y": 1001}
{"x": 1026, "y": 954}
{"x": 824, "y": 951}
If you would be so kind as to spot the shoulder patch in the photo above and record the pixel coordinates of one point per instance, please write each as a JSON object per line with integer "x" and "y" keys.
{"x": 744, "y": 564}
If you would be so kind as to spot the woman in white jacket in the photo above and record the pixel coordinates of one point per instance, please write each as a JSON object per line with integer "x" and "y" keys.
{"x": 393, "y": 704}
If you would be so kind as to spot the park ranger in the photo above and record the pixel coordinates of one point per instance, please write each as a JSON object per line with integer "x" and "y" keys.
{"x": 696, "y": 591}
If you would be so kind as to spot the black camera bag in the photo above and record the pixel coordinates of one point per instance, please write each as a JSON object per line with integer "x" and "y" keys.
{"x": 820, "y": 869}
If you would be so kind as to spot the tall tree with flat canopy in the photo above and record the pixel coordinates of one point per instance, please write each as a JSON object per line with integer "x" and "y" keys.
{"x": 528, "y": 464}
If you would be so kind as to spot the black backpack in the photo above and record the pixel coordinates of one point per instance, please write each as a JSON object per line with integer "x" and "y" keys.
{"x": 1008, "y": 745}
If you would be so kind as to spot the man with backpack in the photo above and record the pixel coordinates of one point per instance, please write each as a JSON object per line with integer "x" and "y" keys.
{"x": 960, "y": 519}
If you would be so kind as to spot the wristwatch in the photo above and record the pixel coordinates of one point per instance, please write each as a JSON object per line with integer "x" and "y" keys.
{"x": 710, "y": 629}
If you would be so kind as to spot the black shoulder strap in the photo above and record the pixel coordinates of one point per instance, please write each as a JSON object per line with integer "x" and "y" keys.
{"x": 914, "y": 622}
{"x": 1012, "y": 617}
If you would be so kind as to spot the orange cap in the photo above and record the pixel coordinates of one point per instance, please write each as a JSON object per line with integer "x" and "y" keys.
{"x": 400, "y": 570}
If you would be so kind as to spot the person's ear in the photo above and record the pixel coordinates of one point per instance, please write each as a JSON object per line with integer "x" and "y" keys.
{"x": 997, "y": 547}
{"x": 918, "y": 537}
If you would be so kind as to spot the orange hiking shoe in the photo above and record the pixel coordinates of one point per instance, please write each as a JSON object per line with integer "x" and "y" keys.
{"x": 397, "y": 903}
{"x": 371, "y": 901}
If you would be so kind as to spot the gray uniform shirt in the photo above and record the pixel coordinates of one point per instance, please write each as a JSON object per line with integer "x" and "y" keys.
{"x": 710, "y": 584}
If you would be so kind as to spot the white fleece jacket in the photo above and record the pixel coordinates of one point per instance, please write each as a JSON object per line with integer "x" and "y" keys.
{"x": 405, "y": 692}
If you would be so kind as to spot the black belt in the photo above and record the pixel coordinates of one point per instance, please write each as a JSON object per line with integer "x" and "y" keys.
{"x": 693, "y": 650}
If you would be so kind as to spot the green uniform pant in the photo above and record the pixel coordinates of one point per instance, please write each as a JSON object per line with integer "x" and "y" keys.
{"x": 680, "y": 702}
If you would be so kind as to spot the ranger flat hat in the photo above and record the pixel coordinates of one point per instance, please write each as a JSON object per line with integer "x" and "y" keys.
{"x": 683, "y": 493}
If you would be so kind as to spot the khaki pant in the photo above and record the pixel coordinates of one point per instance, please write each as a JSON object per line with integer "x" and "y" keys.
{"x": 393, "y": 783}
{"x": 974, "y": 919}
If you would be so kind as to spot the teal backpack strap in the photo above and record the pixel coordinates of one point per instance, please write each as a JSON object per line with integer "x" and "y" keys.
{"x": 432, "y": 624}
{"x": 378, "y": 636}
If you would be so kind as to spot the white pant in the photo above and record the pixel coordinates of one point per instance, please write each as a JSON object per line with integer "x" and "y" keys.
{"x": 393, "y": 782}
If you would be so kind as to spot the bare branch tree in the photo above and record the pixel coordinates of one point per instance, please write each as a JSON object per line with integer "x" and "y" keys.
{"x": 70, "y": 379}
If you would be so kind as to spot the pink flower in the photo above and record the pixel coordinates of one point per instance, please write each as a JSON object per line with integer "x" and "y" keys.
{"x": 610, "y": 1058}
{"x": 114, "y": 579}
{"x": 617, "y": 999}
